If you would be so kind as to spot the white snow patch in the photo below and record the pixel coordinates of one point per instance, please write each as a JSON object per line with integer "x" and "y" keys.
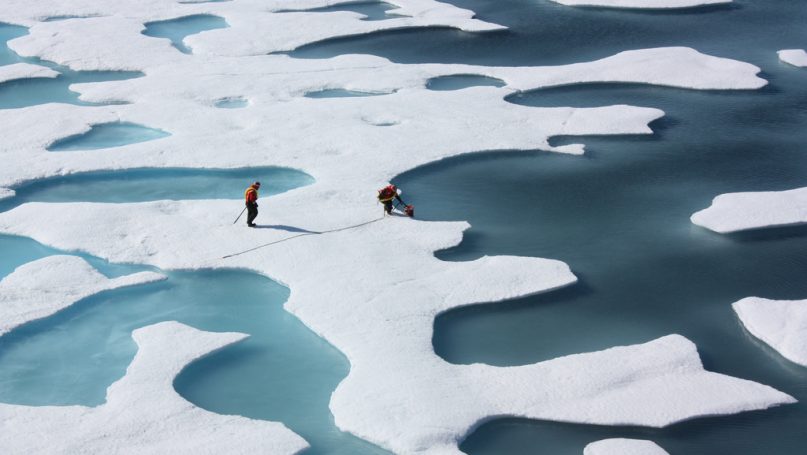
{"x": 25, "y": 71}
{"x": 143, "y": 411}
{"x": 733, "y": 212}
{"x": 43, "y": 287}
{"x": 7, "y": 193}
{"x": 643, "y": 4}
{"x": 623, "y": 446}
{"x": 795, "y": 57}
{"x": 782, "y": 324}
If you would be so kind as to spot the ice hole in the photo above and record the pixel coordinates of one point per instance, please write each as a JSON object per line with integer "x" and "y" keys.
{"x": 461, "y": 81}
{"x": 341, "y": 93}
{"x": 177, "y": 29}
{"x": 373, "y": 11}
{"x": 231, "y": 103}
{"x": 66, "y": 17}
{"x": 141, "y": 185}
{"x": 106, "y": 135}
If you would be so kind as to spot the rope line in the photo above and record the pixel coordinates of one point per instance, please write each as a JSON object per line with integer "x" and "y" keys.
{"x": 301, "y": 235}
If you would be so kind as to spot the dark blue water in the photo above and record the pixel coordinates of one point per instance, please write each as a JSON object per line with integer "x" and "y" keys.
{"x": 619, "y": 216}
{"x": 373, "y": 11}
{"x": 31, "y": 92}
{"x": 543, "y": 33}
{"x": 177, "y": 29}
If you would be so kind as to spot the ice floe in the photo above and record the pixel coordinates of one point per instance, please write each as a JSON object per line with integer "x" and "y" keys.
{"x": 25, "y": 71}
{"x": 280, "y": 124}
{"x": 143, "y": 414}
{"x": 6, "y": 193}
{"x": 643, "y": 4}
{"x": 41, "y": 288}
{"x": 254, "y": 29}
{"x": 733, "y": 212}
{"x": 796, "y": 57}
{"x": 369, "y": 285}
{"x": 782, "y": 324}
{"x": 622, "y": 446}
{"x": 378, "y": 308}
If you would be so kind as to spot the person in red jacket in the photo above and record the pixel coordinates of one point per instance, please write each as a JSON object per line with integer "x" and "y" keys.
{"x": 251, "y": 200}
{"x": 387, "y": 194}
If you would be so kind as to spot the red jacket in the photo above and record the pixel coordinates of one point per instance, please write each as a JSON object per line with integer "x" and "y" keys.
{"x": 251, "y": 194}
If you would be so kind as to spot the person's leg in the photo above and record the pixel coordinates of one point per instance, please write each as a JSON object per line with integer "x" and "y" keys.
{"x": 388, "y": 207}
{"x": 252, "y": 213}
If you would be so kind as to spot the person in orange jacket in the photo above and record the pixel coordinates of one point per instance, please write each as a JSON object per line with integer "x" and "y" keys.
{"x": 251, "y": 200}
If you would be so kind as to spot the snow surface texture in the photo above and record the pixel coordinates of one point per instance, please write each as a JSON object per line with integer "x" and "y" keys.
{"x": 143, "y": 414}
{"x": 25, "y": 71}
{"x": 41, "y": 288}
{"x": 621, "y": 446}
{"x": 376, "y": 307}
{"x": 782, "y": 324}
{"x": 643, "y": 4}
{"x": 796, "y": 57}
{"x": 734, "y": 212}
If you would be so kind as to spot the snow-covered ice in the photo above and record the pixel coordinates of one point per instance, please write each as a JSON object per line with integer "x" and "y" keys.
{"x": 43, "y": 287}
{"x": 168, "y": 100}
{"x": 623, "y": 446}
{"x": 782, "y": 324}
{"x": 375, "y": 307}
{"x": 6, "y": 193}
{"x": 25, "y": 71}
{"x": 643, "y": 4}
{"x": 143, "y": 414}
{"x": 733, "y": 212}
{"x": 796, "y": 57}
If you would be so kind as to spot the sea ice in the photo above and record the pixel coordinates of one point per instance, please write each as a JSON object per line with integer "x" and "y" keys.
{"x": 733, "y": 212}
{"x": 796, "y": 57}
{"x": 24, "y": 71}
{"x": 6, "y": 193}
{"x": 143, "y": 414}
{"x": 376, "y": 307}
{"x": 622, "y": 446}
{"x": 41, "y": 288}
{"x": 642, "y": 4}
{"x": 782, "y": 324}
{"x": 167, "y": 99}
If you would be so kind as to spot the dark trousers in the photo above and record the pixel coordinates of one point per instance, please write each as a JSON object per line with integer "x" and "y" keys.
{"x": 252, "y": 212}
